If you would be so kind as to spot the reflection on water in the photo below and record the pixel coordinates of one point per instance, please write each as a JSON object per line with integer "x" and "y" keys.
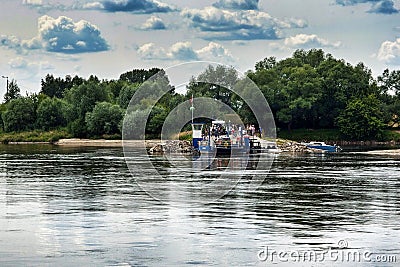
{"x": 81, "y": 206}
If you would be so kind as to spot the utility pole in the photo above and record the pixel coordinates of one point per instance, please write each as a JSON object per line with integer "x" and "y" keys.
{"x": 6, "y": 77}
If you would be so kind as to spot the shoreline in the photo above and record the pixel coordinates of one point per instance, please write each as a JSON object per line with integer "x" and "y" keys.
{"x": 106, "y": 143}
{"x": 77, "y": 142}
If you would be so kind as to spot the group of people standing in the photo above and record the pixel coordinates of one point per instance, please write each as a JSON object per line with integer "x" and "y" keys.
{"x": 234, "y": 130}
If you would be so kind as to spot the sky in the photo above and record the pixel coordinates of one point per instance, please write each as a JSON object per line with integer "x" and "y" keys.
{"x": 109, "y": 37}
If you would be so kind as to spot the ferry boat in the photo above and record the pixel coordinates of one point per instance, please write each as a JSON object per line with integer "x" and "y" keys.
{"x": 224, "y": 143}
{"x": 223, "y": 146}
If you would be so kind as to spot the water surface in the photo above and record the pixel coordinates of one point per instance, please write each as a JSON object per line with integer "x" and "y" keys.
{"x": 82, "y": 207}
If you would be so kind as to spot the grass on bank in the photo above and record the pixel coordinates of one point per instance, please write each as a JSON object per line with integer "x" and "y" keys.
{"x": 34, "y": 136}
{"x": 46, "y": 136}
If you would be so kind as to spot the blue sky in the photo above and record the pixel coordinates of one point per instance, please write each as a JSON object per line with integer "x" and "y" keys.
{"x": 109, "y": 37}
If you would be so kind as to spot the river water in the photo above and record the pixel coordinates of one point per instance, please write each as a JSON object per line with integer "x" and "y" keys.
{"x": 82, "y": 207}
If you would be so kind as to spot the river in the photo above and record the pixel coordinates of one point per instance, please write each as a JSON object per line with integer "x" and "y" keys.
{"x": 64, "y": 206}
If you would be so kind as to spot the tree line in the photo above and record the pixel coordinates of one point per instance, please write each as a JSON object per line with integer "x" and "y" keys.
{"x": 309, "y": 90}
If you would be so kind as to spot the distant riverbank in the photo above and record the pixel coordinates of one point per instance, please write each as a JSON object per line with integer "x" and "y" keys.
{"x": 77, "y": 142}
{"x": 63, "y": 138}
{"x": 106, "y": 143}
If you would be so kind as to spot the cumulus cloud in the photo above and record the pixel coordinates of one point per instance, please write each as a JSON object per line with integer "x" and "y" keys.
{"x": 11, "y": 42}
{"x": 389, "y": 52}
{"x": 354, "y": 2}
{"x": 378, "y": 6}
{"x": 32, "y": 2}
{"x": 44, "y": 7}
{"x": 309, "y": 41}
{"x": 18, "y": 63}
{"x": 22, "y": 63}
{"x": 214, "y": 51}
{"x": 61, "y": 35}
{"x": 237, "y": 4}
{"x": 133, "y": 6}
{"x": 384, "y": 7}
{"x": 178, "y": 51}
{"x": 184, "y": 51}
{"x": 238, "y": 25}
{"x": 153, "y": 23}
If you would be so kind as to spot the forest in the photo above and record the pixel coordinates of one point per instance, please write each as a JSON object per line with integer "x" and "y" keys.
{"x": 310, "y": 90}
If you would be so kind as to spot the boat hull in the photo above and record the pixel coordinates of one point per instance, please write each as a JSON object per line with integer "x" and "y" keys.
{"x": 324, "y": 148}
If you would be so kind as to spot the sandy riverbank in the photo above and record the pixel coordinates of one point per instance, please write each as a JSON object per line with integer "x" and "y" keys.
{"x": 106, "y": 143}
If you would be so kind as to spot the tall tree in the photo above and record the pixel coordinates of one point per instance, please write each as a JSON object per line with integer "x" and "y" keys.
{"x": 138, "y": 75}
{"x": 13, "y": 91}
{"x": 301, "y": 91}
{"x": 362, "y": 119}
{"x": 82, "y": 99}
{"x": 215, "y": 83}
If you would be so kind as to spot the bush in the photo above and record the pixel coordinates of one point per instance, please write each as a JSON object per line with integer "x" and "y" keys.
{"x": 50, "y": 114}
{"x": 20, "y": 115}
{"x": 362, "y": 119}
{"x": 104, "y": 119}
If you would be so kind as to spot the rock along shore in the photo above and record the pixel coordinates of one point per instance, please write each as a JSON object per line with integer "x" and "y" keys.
{"x": 295, "y": 147}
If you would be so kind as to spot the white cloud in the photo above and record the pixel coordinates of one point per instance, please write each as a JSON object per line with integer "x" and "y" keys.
{"x": 153, "y": 23}
{"x": 178, "y": 51}
{"x": 184, "y": 51}
{"x": 11, "y": 42}
{"x": 389, "y": 52}
{"x": 378, "y": 6}
{"x": 309, "y": 41}
{"x": 237, "y": 4}
{"x": 214, "y": 51}
{"x": 21, "y": 63}
{"x": 238, "y": 25}
{"x": 132, "y": 6}
{"x": 32, "y": 2}
{"x": 18, "y": 63}
{"x": 62, "y": 35}
{"x": 150, "y": 51}
{"x": 93, "y": 5}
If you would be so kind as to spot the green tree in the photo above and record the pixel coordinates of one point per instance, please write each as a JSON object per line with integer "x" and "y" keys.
{"x": 80, "y": 100}
{"x": 362, "y": 119}
{"x": 13, "y": 91}
{"x": 56, "y": 87}
{"x": 139, "y": 75}
{"x": 389, "y": 84}
{"x": 115, "y": 87}
{"x": 301, "y": 91}
{"x": 132, "y": 120}
{"x": 156, "y": 121}
{"x": 215, "y": 83}
{"x": 50, "y": 113}
{"x": 104, "y": 119}
{"x": 126, "y": 94}
{"x": 20, "y": 114}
